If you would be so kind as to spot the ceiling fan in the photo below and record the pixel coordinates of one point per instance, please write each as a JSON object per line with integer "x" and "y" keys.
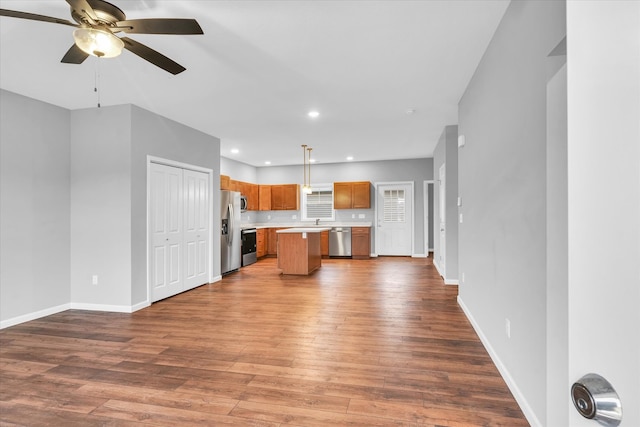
{"x": 97, "y": 22}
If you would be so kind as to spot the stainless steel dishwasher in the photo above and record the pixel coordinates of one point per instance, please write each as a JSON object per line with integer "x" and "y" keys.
{"x": 340, "y": 242}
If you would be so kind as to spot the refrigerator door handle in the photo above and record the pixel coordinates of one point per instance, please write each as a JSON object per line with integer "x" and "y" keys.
{"x": 232, "y": 224}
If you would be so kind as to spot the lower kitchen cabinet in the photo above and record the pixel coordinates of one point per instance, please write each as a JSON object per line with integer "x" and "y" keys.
{"x": 360, "y": 242}
{"x": 272, "y": 241}
{"x": 261, "y": 247}
{"x": 324, "y": 244}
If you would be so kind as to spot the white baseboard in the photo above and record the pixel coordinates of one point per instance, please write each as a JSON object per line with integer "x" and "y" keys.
{"x": 102, "y": 307}
{"x": 419, "y": 256}
{"x": 140, "y": 306}
{"x": 216, "y": 279}
{"x": 435, "y": 264}
{"x": 33, "y": 316}
{"x": 504, "y": 372}
{"x": 450, "y": 281}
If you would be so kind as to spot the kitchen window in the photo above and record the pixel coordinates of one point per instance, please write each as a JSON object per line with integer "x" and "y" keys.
{"x": 318, "y": 204}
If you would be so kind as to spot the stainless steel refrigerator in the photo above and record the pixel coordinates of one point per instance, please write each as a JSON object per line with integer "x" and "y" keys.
{"x": 230, "y": 238}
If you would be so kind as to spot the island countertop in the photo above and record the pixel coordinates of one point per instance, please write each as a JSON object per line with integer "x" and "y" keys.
{"x": 304, "y": 230}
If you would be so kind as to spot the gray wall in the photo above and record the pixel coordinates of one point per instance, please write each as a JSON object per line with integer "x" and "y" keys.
{"x": 101, "y": 206}
{"x": 238, "y": 170}
{"x": 74, "y": 204}
{"x": 446, "y": 152}
{"x": 109, "y": 215}
{"x": 158, "y": 136}
{"x": 502, "y": 171}
{"x": 34, "y": 206}
{"x": 416, "y": 170}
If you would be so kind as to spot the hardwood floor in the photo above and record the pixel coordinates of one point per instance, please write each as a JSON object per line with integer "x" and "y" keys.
{"x": 378, "y": 342}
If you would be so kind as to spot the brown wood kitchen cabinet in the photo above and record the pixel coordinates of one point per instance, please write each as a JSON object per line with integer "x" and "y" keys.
{"x": 264, "y": 197}
{"x": 224, "y": 182}
{"x": 261, "y": 248}
{"x": 272, "y": 241}
{"x": 285, "y": 197}
{"x": 352, "y": 195}
{"x": 324, "y": 244}
{"x": 360, "y": 242}
{"x": 253, "y": 197}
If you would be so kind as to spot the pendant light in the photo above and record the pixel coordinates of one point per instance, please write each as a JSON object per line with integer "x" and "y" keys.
{"x": 304, "y": 168}
{"x": 308, "y": 189}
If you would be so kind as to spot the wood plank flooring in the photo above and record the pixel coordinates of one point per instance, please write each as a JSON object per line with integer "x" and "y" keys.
{"x": 378, "y": 342}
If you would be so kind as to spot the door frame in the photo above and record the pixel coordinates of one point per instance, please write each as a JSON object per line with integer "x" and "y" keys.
{"x": 427, "y": 232}
{"x": 440, "y": 262}
{"x": 413, "y": 215}
{"x": 181, "y": 165}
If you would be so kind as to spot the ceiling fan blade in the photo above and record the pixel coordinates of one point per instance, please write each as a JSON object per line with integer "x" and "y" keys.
{"x": 83, "y": 6}
{"x": 74, "y": 55}
{"x": 160, "y": 26}
{"x": 152, "y": 56}
{"x": 35, "y": 17}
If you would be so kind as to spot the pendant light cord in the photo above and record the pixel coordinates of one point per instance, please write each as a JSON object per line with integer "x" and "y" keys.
{"x": 96, "y": 83}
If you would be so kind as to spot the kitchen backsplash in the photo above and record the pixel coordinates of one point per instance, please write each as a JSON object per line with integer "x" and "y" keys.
{"x": 279, "y": 217}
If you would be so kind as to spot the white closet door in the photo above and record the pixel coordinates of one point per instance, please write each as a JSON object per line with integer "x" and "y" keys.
{"x": 196, "y": 228}
{"x": 166, "y": 231}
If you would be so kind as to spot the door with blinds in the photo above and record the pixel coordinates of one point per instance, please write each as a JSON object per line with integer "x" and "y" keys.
{"x": 394, "y": 230}
{"x": 179, "y": 230}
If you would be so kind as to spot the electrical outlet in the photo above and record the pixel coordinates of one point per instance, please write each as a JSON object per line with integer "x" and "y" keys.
{"x": 94, "y": 279}
{"x": 353, "y": 215}
{"x": 294, "y": 216}
{"x": 268, "y": 216}
{"x": 361, "y": 216}
{"x": 463, "y": 277}
{"x": 507, "y": 327}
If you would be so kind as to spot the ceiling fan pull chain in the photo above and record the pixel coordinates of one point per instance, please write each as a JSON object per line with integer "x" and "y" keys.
{"x": 96, "y": 86}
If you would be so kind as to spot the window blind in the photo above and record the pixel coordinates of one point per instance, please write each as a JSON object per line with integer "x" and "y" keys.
{"x": 319, "y": 204}
{"x": 394, "y": 206}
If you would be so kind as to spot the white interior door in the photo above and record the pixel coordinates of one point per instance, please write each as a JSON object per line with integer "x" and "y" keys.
{"x": 166, "y": 231}
{"x": 394, "y": 232}
{"x": 442, "y": 199}
{"x": 196, "y": 228}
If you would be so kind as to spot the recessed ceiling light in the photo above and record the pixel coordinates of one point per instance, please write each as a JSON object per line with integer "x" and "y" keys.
{"x": 235, "y": 151}
{"x": 267, "y": 162}
{"x": 350, "y": 158}
{"x": 313, "y": 114}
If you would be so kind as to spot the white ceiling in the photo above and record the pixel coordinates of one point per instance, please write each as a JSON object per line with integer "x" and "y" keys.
{"x": 262, "y": 65}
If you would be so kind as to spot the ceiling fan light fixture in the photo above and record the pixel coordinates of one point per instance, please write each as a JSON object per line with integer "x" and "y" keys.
{"x": 96, "y": 42}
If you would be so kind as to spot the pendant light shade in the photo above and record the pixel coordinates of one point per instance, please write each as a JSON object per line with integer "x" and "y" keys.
{"x": 96, "y": 42}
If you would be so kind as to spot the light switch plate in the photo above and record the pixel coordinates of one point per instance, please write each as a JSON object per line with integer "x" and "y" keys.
{"x": 361, "y": 216}
{"x": 461, "y": 141}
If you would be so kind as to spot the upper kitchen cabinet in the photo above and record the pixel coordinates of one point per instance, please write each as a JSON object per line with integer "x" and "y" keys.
{"x": 285, "y": 197}
{"x": 225, "y": 182}
{"x": 352, "y": 195}
{"x": 253, "y": 197}
{"x": 264, "y": 197}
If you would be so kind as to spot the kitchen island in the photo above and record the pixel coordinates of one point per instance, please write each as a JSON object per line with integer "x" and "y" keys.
{"x": 299, "y": 250}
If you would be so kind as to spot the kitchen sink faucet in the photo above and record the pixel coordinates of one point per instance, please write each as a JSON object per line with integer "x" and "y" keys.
{"x": 317, "y": 221}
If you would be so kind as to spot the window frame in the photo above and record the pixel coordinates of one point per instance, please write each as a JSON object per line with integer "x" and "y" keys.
{"x": 303, "y": 202}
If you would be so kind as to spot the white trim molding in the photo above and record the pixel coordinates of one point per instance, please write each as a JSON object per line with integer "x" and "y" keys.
{"x": 33, "y": 316}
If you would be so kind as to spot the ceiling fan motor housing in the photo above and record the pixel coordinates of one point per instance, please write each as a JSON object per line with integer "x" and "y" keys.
{"x": 106, "y": 14}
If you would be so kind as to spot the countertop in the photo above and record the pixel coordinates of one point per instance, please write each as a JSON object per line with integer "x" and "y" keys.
{"x": 323, "y": 225}
{"x": 304, "y": 230}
